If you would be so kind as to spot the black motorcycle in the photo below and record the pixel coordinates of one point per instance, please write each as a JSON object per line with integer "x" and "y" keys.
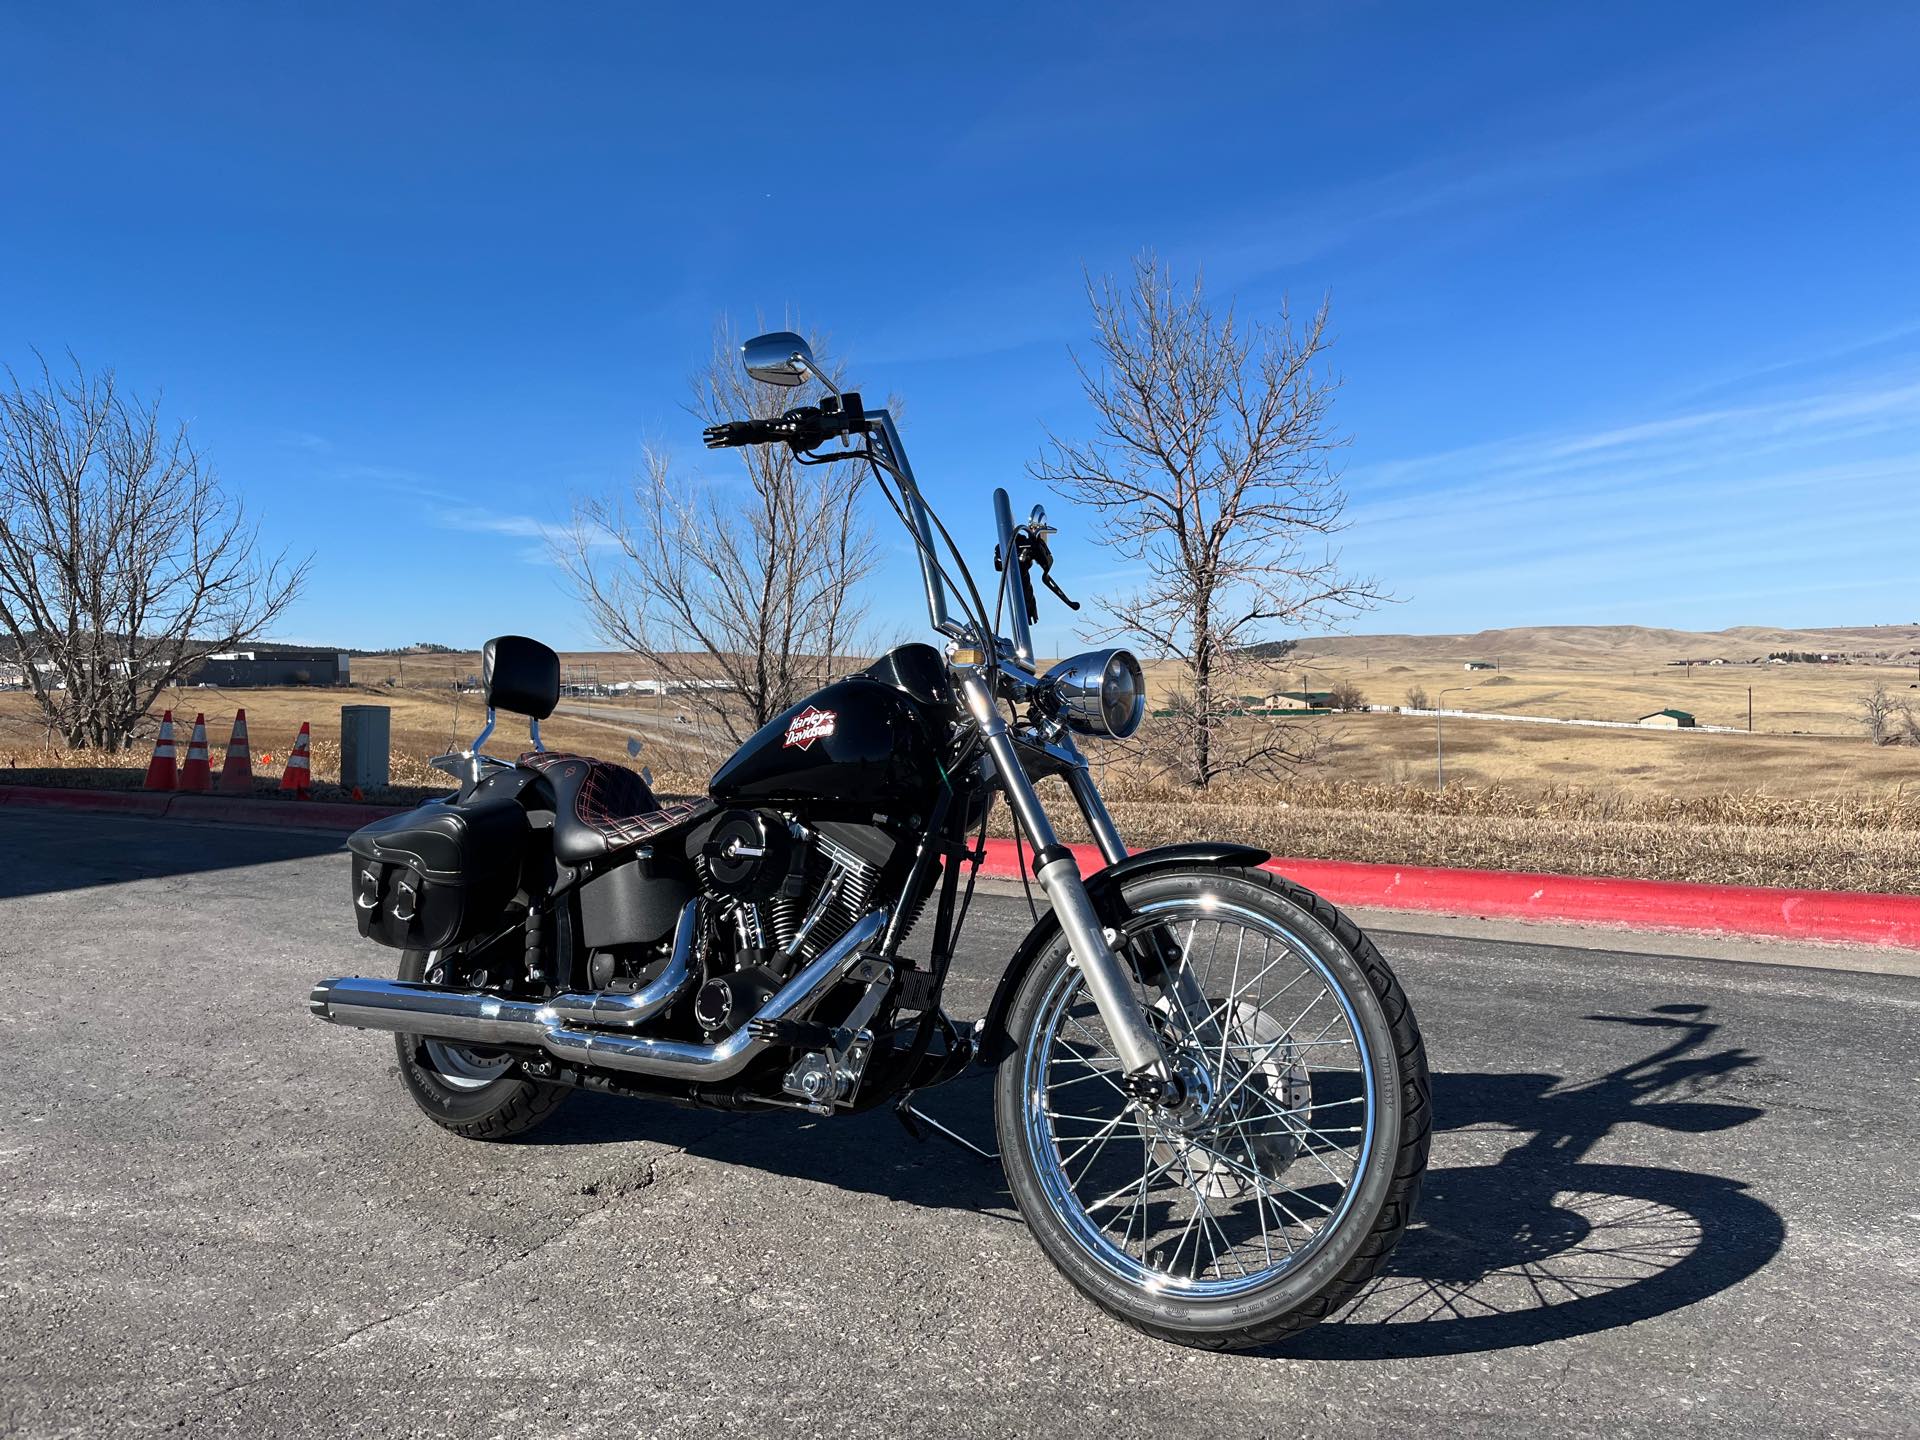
{"x": 1211, "y": 1098}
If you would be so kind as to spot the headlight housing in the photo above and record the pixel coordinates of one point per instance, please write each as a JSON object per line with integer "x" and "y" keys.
{"x": 1103, "y": 692}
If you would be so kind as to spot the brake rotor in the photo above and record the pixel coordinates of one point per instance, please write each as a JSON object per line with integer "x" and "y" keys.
{"x": 1236, "y": 1133}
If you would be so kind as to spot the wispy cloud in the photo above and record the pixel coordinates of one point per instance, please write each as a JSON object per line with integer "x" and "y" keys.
{"x": 1814, "y": 493}
{"x": 1652, "y": 449}
{"x": 543, "y": 535}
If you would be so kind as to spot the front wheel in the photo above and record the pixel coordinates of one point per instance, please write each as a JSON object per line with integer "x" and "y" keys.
{"x": 475, "y": 1093}
{"x": 1278, "y": 1186}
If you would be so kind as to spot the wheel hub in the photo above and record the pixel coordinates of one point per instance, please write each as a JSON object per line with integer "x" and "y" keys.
{"x": 1196, "y": 1104}
{"x": 1222, "y": 1135}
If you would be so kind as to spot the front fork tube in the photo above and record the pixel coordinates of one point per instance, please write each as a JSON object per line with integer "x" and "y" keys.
{"x": 1176, "y": 976}
{"x": 1134, "y": 1040}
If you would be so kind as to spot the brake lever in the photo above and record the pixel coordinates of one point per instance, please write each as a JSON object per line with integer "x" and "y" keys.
{"x": 1039, "y": 549}
{"x": 1054, "y": 585}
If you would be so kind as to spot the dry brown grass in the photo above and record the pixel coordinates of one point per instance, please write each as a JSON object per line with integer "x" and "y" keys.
{"x": 1843, "y": 840}
{"x": 1763, "y": 809}
{"x": 423, "y": 723}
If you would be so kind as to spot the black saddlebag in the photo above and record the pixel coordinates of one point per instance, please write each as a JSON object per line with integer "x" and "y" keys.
{"x": 439, "y": 875}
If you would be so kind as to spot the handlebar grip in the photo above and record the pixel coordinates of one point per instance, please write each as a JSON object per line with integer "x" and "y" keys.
{"x": 730, "y": 433}
{"x": 803, "y": 427}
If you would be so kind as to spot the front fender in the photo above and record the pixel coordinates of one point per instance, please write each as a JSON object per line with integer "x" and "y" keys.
{"x": 1101, "y": 888}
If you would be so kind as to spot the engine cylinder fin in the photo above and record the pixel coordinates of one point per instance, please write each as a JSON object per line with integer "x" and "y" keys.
{"x": 853, "y": 883}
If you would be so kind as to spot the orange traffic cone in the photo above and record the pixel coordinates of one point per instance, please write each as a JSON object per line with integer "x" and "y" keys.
{"x": 160, "y": 768}
{"x": 195, "y": 773}
{"x": 236, "y": 776}
{"x": 298, "y": 776}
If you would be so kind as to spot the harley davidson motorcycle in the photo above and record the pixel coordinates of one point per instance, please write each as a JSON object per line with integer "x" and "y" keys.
{"x": 1211, "y": 1098}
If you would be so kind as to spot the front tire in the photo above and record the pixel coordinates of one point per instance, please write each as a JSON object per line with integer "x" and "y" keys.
{"x": 1246, "y": 1214}
{"x": 474, "y": 1093}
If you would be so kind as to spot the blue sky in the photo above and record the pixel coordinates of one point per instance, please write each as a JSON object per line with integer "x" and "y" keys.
{"x": 1627, "y": 297}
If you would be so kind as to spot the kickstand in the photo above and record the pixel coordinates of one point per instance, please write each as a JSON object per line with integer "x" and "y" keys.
{"x": 918, "y": 1122}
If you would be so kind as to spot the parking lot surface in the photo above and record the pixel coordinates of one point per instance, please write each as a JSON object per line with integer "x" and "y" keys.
{"x": 1668, "y": 1196}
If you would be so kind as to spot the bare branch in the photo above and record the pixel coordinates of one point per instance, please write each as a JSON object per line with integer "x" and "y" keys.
{"x": 1212, "y": 464}
{"x": 740, "y": 595}
{"x": 123, "y": 560}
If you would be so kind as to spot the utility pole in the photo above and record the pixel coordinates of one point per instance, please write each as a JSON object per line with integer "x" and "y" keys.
{"x": 1749, "y": 709}
{"x": 1439, "y": 749}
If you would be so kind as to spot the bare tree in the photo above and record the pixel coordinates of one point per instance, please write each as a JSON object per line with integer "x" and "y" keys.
{"x": 1347, "y": 695}
{"x": 1212, "y": 464}
{"x": 1417, "y": 698}
{"x": 1909, "y": 722}
{"x": 123, "y": 561}
{"x": 1876, "y": 713}
{"x": 741, "y": 596}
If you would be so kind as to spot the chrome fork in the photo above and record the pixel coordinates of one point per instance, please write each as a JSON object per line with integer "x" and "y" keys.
{"x": 1134, "y": 1040}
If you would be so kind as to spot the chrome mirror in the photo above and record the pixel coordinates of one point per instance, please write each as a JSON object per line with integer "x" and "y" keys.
{"x": 779, "y": 358}
{"x": 1037, "y": 522}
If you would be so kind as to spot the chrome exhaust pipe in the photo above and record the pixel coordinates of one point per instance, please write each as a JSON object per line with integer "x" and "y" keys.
{"x": 679, "y": 1060}
{"x": 464, "y": 1015}
{"x": 628, "y": 1008}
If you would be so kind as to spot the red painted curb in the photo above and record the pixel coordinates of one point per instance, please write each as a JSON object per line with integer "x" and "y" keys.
{"x": 173, "y": 805}
{"x": 133, "y": 802}
{"x": 1835, "y": 915}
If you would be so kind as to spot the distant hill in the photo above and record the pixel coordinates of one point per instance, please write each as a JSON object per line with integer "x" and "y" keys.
{"x": 1615, "y": 643}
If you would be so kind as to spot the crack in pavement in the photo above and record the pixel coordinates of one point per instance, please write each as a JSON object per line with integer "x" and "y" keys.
{"x": 652, "y": 1169}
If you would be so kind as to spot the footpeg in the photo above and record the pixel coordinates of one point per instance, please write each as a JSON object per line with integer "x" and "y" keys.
{"x": 800, "y": 1034}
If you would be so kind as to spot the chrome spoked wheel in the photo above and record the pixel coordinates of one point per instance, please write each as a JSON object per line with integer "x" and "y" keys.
{"x": 1241, "y": 1181}
{"x": 1265, "y": 1193}
{"x": 459, "y": 1068}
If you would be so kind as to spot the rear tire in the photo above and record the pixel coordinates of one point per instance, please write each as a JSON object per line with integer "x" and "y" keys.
{"x": 1255, "y": 1159}
{"x": 473, "y": 1093}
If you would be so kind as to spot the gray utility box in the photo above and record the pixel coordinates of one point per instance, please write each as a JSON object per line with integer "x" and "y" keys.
{"x": 363, "y": 745}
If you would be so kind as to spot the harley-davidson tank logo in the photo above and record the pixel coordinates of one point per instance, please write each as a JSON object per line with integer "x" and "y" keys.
{"x": 809, "y": 725}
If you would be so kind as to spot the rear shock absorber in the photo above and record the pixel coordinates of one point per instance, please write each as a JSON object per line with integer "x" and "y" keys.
{"x": 536, "y": 948}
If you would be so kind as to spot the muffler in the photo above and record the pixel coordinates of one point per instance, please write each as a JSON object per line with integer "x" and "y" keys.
{"x": 556, "y": 1026}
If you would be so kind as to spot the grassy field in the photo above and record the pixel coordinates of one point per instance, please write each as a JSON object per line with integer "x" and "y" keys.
{"x": 424, "y": 723}
{"x": 1804, "y": 800}
{"x": 1399, "y": 749}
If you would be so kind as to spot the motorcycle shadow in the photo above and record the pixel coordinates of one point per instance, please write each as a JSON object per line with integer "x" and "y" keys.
{"x": 1536, "y": 1246}
{"x": 1541, "y": 1245}
{"x": 870, "y": 1153}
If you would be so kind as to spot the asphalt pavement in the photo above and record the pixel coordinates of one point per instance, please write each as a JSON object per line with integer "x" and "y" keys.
{"x": 1670, "y": 1194}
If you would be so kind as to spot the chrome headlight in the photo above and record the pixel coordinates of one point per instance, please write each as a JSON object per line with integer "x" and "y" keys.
{"x": 1100, "y": 693}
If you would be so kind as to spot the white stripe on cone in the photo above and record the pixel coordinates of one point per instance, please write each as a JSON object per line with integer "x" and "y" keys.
{"x": 296, "y": 777}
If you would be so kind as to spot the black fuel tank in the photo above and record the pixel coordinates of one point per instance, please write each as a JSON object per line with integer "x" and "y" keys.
{"x": 859, "y": 744}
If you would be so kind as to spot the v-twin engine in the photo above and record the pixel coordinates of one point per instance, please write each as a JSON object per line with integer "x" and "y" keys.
{"x": 789, "y": 888}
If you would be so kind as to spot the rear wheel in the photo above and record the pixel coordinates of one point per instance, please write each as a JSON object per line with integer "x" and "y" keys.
{"x": 1279, "y": 1185}
{"x": 475, "y": 1093}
